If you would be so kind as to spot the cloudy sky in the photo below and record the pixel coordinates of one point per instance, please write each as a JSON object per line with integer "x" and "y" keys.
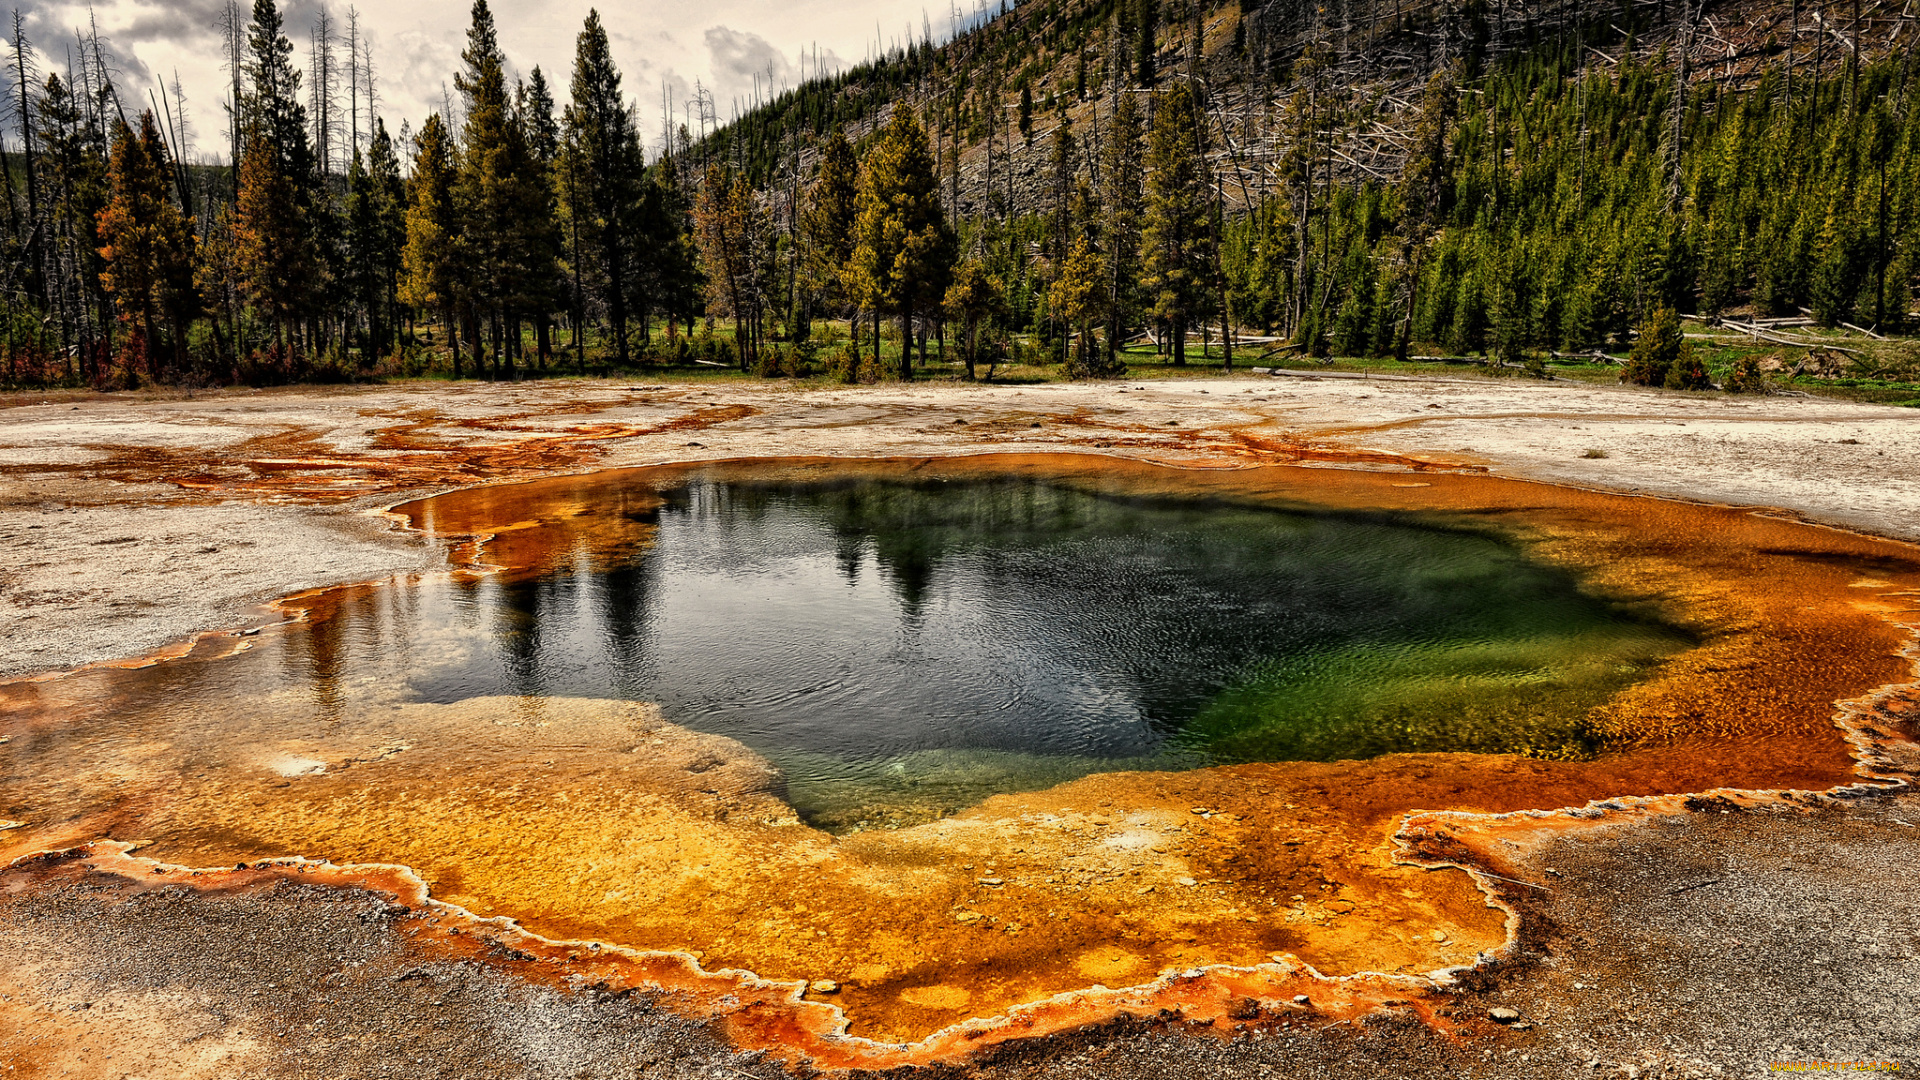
{"x": 722, "y": 44}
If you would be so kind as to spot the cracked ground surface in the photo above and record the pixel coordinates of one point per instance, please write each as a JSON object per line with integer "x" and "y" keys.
{"x": 132, "y": 523}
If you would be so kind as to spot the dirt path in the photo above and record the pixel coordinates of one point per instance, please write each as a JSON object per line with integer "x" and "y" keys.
{"x": 131, "y": 523}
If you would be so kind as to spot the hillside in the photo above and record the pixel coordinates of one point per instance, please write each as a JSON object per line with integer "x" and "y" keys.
{"x": 1578, "y": 165}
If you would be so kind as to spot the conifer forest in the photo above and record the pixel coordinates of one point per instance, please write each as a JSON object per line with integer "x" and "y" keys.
{"x": 1670, "y": 192}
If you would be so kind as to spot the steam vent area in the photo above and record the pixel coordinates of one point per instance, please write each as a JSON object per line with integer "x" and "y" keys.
{"x": 865, "y": 763}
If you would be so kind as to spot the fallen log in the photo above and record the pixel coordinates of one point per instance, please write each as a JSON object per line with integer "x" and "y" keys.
{"x": 1765, "y": 335}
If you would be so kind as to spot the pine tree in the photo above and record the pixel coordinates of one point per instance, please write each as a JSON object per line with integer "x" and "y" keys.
{"x": 1179, "y": 217}
{"x": 275, "y": 259}
{"x": 272, "y": 108}
{"x": 670, "y": 273}
{"x": 536, "y": 237}
{"x": 1026, "y": 113}
{"x": 1078, "y": 296}
{"x": 74, "y": 160}
{"x": 487, "y": 195}
{"x": 147, "y": 246}
{"x": 903, "y": 248}
{"x": 974, "y": 297}
{"x": 376, "y": 236}
{"x": 600, "y": 169}
{"x": 1122, "y": 180}
{"x": 427, "y": 280}
{"x": 1145, "y": 43}
{"x": 730, "y": 230}
{"x": 279, "y": 261}
{"x": 1423, "y": 191}
{"x": 827, "y": 222}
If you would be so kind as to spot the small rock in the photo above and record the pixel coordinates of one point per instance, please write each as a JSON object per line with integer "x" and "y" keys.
{"x": 1440, "y": 936}
{"x": 1200, "y": 810}
{"x": 991, "y": 881}
{"x": 966, "y": 917}
{"x": 1301, "y": 999}
{"x": 824, "y": 986}
{"x": 1503, "y": 1016}
{"x": 1146, "y": 890}
{"x": 1186, "y": 881}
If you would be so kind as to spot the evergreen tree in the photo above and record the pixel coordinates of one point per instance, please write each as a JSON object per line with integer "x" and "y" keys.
{"x": 427, "y": 281}
{"x": 1423, "y": 190}
{"x": 1146, "y": 44}
{"x": 826, "y": 224}
{"x": 537, "y": 239}
{"x": 974, "y": 297}
{"x": 1079, "y": 296}
{"x": 376, "y": 237}
{"x": 271, "y": 108}
{"x": 275, "y": 259}
{"x": 1122, "y": 180}
{"x": 1179, "y": 217}
{"x": 147, "y": 246}
{"x": 730, "y": 230}
{"x": 600, "y": 169}
{"x": 903, "y": 249}
{"x": 279, "y": 262}
{"x": 74, "y": 163}
{"x": 489, "y": 199}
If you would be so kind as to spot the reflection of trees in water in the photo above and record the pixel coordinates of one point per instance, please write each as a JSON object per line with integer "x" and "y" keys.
{"x": 622, "y": 603}
{"x": 1052, "y": 611}
{"x": 322, "y": 653}
{"x": 519, "y": 628}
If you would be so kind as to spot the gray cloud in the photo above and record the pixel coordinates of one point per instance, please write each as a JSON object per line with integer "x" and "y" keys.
{"x": 661, "y": 45}
{"x": 738, "y": 57}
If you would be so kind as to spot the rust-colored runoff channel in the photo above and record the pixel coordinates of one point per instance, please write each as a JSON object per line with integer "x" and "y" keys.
{"x": 1220, "y": 893}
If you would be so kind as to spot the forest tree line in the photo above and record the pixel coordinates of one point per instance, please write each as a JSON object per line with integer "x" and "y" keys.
{"x": 1540, "y": 200}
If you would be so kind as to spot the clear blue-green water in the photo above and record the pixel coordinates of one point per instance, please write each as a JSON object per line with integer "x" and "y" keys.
{"x": 901, "y": 648}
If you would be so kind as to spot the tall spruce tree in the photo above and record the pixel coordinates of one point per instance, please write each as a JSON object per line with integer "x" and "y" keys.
{"x": 273, "y": 223}
{"x": 903, "y": 248}
{"x": 1179, "y": 217}
{"x": 537, "y": 239}
{"x": 427, "y": 281}
{"x": 487, "y": 195}
{"x": 600, "y": 171}
{"x": 826, "y": 224}
{"x": 1122, "y": 181}
{"x": 148, "y": 248}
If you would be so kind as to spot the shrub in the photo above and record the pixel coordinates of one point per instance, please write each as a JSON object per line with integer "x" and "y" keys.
{"x": 1658, "y": 350}
{"x": 1746, "y": 377}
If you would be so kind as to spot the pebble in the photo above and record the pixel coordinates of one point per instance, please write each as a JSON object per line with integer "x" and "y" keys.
{"x": 1503, "y": 1016}
{"x": 825, "y": 986}
{"x": 1440, "y": 936}
{"x": 1301, "y": 999}
{"x": 1187, "y": 881}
